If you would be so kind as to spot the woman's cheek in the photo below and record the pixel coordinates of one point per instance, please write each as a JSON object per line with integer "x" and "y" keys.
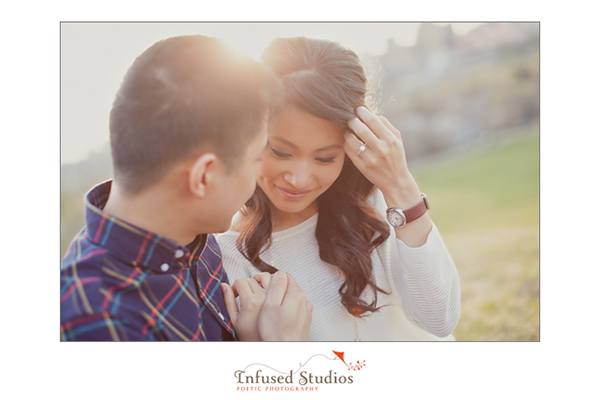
{"x": 261, "y": 169}
{"x": 269, "y": 168}
{"x": 265, "y": 169}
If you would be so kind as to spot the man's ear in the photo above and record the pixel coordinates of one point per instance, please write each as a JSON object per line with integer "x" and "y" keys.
{"x": 201, "y": 173}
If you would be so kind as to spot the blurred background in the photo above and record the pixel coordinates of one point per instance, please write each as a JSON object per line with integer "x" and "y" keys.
{"x": 464, "y": 96}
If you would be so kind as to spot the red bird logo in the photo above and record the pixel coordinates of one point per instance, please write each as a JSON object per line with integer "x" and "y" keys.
{"x": 357, "y": 366}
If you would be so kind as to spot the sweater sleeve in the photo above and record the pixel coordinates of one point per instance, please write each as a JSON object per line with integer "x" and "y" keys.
{"x": 424, "y": 278}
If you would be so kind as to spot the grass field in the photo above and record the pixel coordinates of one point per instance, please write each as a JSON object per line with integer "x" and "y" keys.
{"x": 486, "y": 206}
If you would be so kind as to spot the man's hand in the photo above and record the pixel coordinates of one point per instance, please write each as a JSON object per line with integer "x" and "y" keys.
{"x": 286, "y": 314}
{"x": 244, "y": 319}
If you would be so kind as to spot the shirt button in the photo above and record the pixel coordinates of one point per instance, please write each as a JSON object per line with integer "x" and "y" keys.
{"x": 165, "y": 267}
{"x": 178, "y": 253}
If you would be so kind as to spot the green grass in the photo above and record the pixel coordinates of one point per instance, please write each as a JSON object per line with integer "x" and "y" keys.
{"x": 486, "y": 205}
{"x": 497, "y": 186}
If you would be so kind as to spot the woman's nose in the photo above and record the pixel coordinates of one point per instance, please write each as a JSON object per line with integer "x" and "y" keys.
{"x": 299, "y": 177}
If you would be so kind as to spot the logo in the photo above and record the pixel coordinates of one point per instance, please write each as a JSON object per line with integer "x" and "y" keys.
{"x": 324, "y": 370}
{"x": 355, "y": 367}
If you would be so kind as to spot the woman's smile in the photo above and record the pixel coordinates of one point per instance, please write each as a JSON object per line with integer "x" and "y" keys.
{"x": 293, "y": 194}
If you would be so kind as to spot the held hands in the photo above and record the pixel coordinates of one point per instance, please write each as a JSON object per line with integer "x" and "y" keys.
{"x": 272, "y": 307}
{"x": 252, "y": 296}
{"x": 383, "y": 160}
{"x": 286, "y": 314}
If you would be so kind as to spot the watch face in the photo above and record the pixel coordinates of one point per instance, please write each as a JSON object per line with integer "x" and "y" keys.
{"x": 396, "y": 218}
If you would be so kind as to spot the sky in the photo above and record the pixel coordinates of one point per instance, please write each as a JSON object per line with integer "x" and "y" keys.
{"x": 95, "y": 57}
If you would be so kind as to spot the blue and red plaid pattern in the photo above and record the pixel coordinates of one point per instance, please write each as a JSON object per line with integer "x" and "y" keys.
{"x": 121, "y": 282}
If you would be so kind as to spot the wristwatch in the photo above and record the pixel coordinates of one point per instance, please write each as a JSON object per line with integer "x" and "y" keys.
{"x": 398, "y": 218}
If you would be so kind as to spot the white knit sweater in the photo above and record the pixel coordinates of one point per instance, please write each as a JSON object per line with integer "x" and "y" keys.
{"x": 424, "y": 303}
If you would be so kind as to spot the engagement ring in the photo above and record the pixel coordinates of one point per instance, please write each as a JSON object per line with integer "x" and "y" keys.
{"x": 361, "y": 149}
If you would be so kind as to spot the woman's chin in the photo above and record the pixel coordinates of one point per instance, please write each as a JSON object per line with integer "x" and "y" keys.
{"x": 290, "y": 208}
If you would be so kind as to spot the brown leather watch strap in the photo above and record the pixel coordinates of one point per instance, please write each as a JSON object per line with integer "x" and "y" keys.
{"x": 417, "y": 210}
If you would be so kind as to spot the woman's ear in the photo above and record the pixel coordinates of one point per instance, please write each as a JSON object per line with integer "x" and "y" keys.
{"x": 202, "y": 173}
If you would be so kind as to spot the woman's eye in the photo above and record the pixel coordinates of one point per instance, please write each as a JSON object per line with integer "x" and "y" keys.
{"x": 280, "y": 154}
{"x": 326, "y": 160}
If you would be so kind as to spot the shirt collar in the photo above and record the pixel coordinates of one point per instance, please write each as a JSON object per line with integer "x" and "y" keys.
{"x": 130, "y": 243}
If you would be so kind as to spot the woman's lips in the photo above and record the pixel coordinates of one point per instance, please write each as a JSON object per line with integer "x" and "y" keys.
{"x": 293, "y": 194}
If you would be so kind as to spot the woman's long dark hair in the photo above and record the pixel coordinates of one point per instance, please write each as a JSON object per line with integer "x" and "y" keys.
{"x": 329, "y": 82}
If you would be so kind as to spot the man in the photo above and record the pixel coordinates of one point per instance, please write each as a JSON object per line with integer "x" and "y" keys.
{"x": 187, "y": 128}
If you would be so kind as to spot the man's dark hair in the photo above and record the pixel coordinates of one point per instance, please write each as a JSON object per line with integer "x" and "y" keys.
{"x": 181, "y": 95}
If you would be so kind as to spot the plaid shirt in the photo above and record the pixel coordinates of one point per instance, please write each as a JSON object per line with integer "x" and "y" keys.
{"x": 121, "y": 282}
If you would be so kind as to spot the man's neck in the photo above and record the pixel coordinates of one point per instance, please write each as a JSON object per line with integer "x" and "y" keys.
{"x": 156, "y": 209}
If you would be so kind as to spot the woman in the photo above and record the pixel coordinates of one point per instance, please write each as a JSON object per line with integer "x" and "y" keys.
{"x": 330, "y": 170}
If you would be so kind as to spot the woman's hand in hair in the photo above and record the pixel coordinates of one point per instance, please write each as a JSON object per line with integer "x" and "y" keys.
{"x": 383, "y": 162}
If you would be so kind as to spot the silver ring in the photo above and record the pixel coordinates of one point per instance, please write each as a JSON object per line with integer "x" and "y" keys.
{"x": 362, "y": 148}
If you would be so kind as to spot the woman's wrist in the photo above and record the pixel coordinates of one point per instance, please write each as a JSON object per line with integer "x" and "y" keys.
{"x": 403, "y": 195}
